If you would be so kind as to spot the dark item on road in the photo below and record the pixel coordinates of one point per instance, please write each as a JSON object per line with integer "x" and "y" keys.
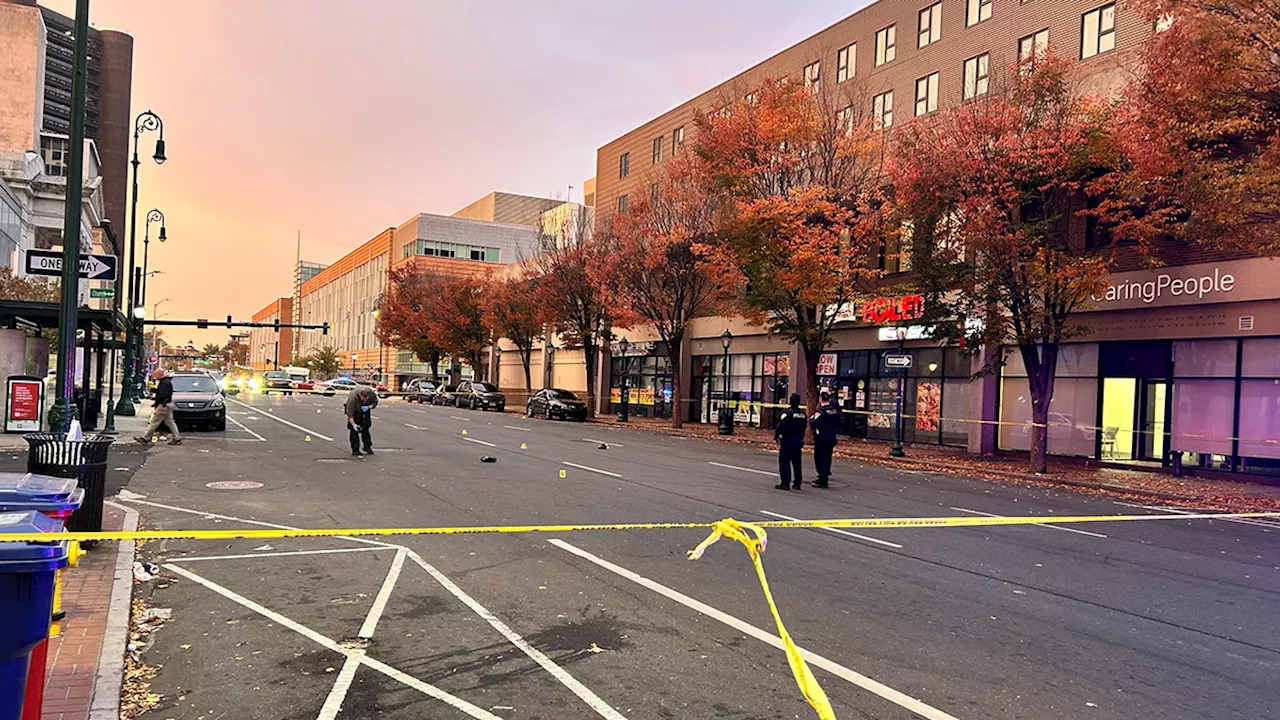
{"x": 489, "y": 459}
{"x": 359, "y": 410}
{"x": 476, "y": 395}
{"x": 826, "y": 424}
{"x": 195, "y": 400}
{"x": 789, "y": 434}
{"x": 445, "y": 395}
{"x": 277, "y": 381}
{"x": 556, "y": 404}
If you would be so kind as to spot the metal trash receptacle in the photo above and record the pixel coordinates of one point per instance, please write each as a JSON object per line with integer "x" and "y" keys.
{"x": 85, "y": 460}
{"x": 27, "y": 572}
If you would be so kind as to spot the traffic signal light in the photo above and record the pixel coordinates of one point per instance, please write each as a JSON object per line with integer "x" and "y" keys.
{"x": 277, "y": 324}
{"x": 228, "y": 321}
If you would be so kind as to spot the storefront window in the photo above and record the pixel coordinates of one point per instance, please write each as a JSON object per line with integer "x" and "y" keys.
{"x": 1073, "y": 409}
{"x": 649, "y": 389}
{"x": 755, "y": 382}
{"x": 1204, "y": 358}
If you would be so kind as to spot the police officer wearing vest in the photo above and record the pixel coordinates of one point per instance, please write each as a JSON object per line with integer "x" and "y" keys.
{"x": 826, "y": 424}
{"x": 789, "y": 434}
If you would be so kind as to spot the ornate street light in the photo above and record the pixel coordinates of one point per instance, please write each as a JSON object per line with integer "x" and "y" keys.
{"x": 624, "y": 400}
{"x": 726, "y": 415}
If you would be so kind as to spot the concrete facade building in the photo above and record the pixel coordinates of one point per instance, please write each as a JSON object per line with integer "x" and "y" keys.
{"x": 269, "y": 349}
{"x": 507, "y": 208}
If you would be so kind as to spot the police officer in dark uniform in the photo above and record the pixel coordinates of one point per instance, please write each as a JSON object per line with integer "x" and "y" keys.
{"x": 789, "y": 434}
{"x": 826, "y": 424}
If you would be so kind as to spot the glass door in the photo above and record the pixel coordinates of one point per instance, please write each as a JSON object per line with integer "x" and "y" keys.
{"x": 1119, "y": 401}
{"x": 1155, "y": 404}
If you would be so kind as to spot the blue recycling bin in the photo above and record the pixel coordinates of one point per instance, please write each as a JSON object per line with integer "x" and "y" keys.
{"x": 27, "y": 572}
{"x": 53, "y": 496}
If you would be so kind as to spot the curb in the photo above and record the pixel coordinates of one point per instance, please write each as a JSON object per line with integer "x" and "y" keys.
{"x": 110, "y": 674}
{"x": 963, "y": 471}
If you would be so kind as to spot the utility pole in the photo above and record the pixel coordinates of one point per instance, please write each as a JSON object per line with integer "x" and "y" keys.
{"x": 63, "y": 409}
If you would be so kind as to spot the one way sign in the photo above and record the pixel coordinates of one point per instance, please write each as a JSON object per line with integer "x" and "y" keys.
{"x": 92, "y": 267}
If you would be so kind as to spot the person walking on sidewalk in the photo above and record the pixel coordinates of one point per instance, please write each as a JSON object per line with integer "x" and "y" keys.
{"x": 826, "y": 426}
{"x": 162, "y": 411}
{"x": 360, "y": 404}
{"x": 789, "y": 434}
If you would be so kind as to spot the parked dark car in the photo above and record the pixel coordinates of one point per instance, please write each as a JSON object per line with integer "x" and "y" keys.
{"x": 419, "y": 391}
{"x": 476, "y": 395}
{"x": 556, "y": 404}
{"x": 444, "y": 395}
{"x": 276, "y": 381}
{"x": 197, "y": 400}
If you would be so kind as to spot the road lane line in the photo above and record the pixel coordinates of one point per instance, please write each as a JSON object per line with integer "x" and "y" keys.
{"x": 1051, "y": 527}
{"x": 286, "y": 422}
{"x": 479, "y": 442}
{"x": 837, "y": 531}
{"x": 342, "y": 685}
{"x": 744, "y": 469}
{"x": 455, "y": 417}
{"x": 590, "y": 469}
{"x": 334, "y": 551}
{"x": 513, "y": 427}
{"x": 329, "y": 644}
{"x": 602, "y": 708}
{"x": 1180, "y": 511}
{"x": 894, "y": 696}
{"x": 605, "y": 442}
{"x": 413, "y": 427}
{"x": 138, "y": 500}
{"x": 242, "y": 426}
{"x": 420, "y": 412}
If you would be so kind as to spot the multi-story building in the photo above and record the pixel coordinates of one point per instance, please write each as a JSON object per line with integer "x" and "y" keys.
{"x": 1166, "y": 376}
{"x": 271, "y": 349}
{"x": 507, "y": 208}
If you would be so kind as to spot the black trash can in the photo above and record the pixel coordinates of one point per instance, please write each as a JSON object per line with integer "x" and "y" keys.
{"x": 85, "y": 460}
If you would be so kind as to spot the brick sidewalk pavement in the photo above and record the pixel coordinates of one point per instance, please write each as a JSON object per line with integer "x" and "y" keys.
{"x": 74, "y": 656}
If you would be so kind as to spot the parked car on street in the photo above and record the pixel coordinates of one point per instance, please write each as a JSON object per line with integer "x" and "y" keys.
{"x": 476, "y": 395}
{"x": 276, "y": 381}
{"x": 556, "y": 404}
{"x": 379, "y": 388}
{"x": 340, "y": 385}
{"x": 197, "y": 400}
{"x": 444, "y": 395}
{"x": 419, "y": 391}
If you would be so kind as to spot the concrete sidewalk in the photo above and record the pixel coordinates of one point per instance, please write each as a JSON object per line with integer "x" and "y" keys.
{"x": 1134, "y": 484}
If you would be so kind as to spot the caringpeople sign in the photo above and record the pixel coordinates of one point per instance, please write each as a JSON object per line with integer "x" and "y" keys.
{"x": 1204, "y": 284}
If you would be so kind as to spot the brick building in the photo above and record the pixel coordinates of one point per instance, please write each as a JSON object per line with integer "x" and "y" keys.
{"x": 1178, "y": 367}
{"x": 270, "y": 349}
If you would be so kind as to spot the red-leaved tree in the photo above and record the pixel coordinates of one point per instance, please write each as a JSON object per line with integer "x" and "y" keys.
{"x": 657, "y": 272}
{"x": 455, "y": 320}
{"x": 987, "y": 191}
{"x": 403, "y": 312}
{"x": 512, "y": 310}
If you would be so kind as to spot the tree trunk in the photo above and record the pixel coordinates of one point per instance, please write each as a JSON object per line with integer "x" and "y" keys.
{"x": 1041, "y": 362}
{"x": 435, "y": 369}
{"x": 526, "y": 358}
{"x": 589, "y": 362}
{"x": 811, "y": 355}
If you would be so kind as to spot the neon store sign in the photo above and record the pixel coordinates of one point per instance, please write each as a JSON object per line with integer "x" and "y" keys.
{"x": 892, "y": 310}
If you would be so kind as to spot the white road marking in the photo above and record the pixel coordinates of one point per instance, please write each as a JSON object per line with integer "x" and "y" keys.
{"x": 329, "y": 644}
{"x": 744, "y": 469}
{"x": 1180, "y": 511}
{"x": 420, "y": 412}
{"x": 606, "y": 442}
{"x": 1043, "y": 525}
{"x": 513, "y": 427}
{"x": 413, "y": 427}
{"x": 837, "y": 531}
{"x": 242, "y": 426}
{"x": 894, "y": 696}
{"x": 136, "y": 499}
{"x": 455, "y": 417}
{"x": 590, "y": 469}
{"x": 479, "y": 442}
{"x": 286, "y": 422}
{"x": 602, "y": 708}
{"x": 334, "y": 551}
{"x": 333, "y": 704}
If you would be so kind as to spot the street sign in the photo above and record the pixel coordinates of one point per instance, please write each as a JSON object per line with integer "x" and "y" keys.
{"x": 102, "y": 292}
{"x": 92, "y": 267}
{"x": 897, "y": 362}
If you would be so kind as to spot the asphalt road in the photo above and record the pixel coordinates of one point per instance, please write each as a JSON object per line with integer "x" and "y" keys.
{"x": 1169, "y": 619}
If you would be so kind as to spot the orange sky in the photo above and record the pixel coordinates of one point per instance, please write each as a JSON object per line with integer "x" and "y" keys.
{"x": 340, "y": 118}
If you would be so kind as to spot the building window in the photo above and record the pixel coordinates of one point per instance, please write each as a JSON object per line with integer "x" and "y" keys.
{"x": 927, "y": 94}
{"x": 882, "y": 109}
{"x": 1033, "y": 46}
{"x": 930, "y": 25}
{"x": 846, "y": 120}
{"x": 624, "y": 165}
{"x": 1099, "y": 34}
{"x": 979, "y": 10}
{"x": 54, "y": 152}
{"x": 977, "y": 76}
{"x": 657, "y": 150}
{"x": 622, "y": 204}
{"x": 813, "y": 76}
{"x": 886, "y": 45}
{"x": 846, "y": 62}
{"x": 677, "y": 137}
{"x": 654, "y": 192}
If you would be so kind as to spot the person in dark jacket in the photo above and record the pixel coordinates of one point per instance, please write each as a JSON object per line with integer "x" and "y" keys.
{"x": 360, "y": 404}
{"x": 789, "y": 434}
{"x": 826, "y": 424}
{"x": 162, "y": 411}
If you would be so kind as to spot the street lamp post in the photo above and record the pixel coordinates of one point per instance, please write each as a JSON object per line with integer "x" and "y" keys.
{"x": 624, "y": 401}
{"x": 153, "y": 215}
{"x": 354, "y": 357}
{"x": 144, "y": 122}
{"x": 895, "y": 450}
{"x": 726, "y": 415}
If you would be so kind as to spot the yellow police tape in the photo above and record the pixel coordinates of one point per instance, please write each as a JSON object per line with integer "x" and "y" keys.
{"x": 751, "y": 535}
